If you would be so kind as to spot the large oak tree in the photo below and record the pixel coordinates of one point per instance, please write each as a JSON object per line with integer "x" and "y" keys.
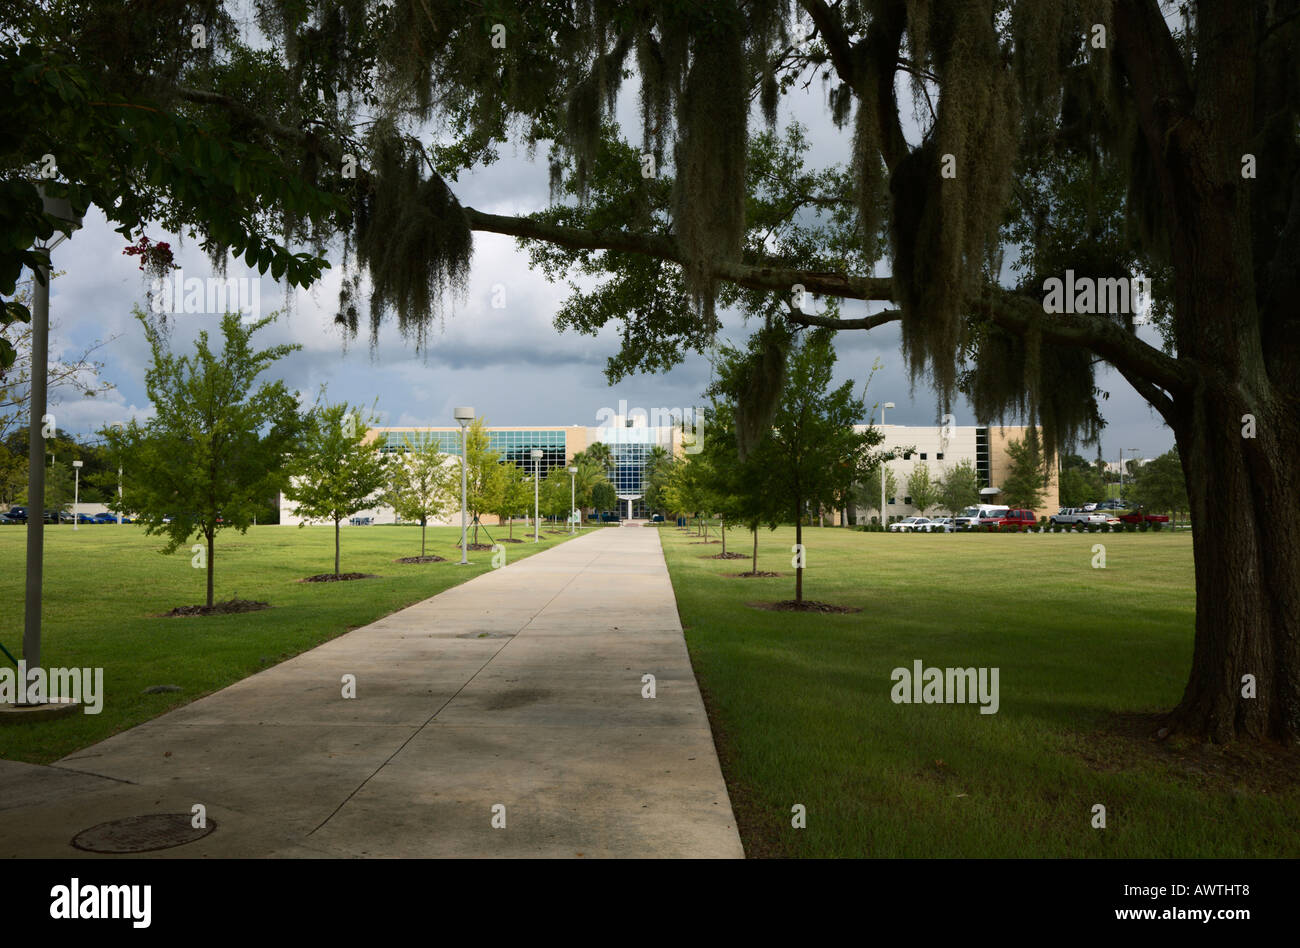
{"x": 1104, "y": 136}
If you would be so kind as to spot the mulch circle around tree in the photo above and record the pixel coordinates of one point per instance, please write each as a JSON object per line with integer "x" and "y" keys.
{"x": 789, "y": 605}
{"x": 702, "y": 542}
{"x": 331, "y": 578}
{"x": 228, "y": 607}
{"x": 421, "y": 559}
{"x": 478, "y": 546}
{"x": 724, "y": 556}
{"x": 752, "y": 575}
{"x": 510, "y": 540}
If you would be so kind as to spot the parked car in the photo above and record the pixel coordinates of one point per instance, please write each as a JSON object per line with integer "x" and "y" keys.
{"x": 86, "y": 518}
{"x": 1137, "y": 516}
{"x": 970, "y": 517}
{"x": 104, "y": 517}
{"x": 1090, "y": 507}
{"x": 939, "y": 525}
{"x": 909, "y": 524}
{"x": 6, "y": 520}
{"x": 1018, "y": 518}
{"x": 990, "y": 517}
{"x": 1069, "y": 516}
{"x": 58, "y": 516}
{"x": 18, "y": 513}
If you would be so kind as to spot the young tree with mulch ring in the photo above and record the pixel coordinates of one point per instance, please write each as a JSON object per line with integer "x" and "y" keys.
{"x": 339, "y": 471}
{"x": 424, "y": 484}
{"x": 215, "y": 447}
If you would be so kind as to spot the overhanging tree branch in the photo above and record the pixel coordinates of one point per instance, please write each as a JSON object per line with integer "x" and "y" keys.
{"x": 829, "y": 322}
{"x": 1121, "y": 348}
{"x": 756, "y": 275}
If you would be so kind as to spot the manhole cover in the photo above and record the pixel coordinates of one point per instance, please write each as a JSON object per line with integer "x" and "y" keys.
{"x": 141, "y": 834}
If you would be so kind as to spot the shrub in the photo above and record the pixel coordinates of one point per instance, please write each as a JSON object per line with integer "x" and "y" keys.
{"x": 1157, "y": 526}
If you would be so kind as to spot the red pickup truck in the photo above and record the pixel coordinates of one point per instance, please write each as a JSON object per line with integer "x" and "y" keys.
{"x": 1019, "y": 519}
{"x": 1138, "y": 517}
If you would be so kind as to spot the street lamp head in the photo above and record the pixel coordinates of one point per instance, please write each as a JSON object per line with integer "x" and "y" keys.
{"x": 60, "y": 209}
{"x": 889, "y": 404}
{"x": 76, "y": 463}
{"x": 573, "y": 470}
{"x": 464, "y": 414}
{"x": 537, "y": 454}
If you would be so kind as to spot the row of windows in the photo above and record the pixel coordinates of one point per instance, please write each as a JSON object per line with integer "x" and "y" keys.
{"x": 628, "y": 466}
{"x": 513, "y": 445}
{"x": 907, "y": 456}
{"x": 982, "y": 456}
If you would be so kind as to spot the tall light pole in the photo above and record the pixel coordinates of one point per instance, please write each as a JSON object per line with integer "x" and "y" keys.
{"x": 464, "y": 414}
{"x": 61, "y": 210}
{"x": 537, "y": 461}
{"x": 573, "y": 497}
{"x": 76, "y": 493}
{"x": 883, "y": 518}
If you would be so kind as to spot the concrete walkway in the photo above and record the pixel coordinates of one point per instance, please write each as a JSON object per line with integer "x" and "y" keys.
{"x": 520, "y": 688}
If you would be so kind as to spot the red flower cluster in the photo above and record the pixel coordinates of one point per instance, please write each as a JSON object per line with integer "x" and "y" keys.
{"x": 156, "y": 257}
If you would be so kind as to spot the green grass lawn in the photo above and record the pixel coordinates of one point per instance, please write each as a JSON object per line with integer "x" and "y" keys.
{"x": 104, "y": 585}
{"x": 801, "y": 709}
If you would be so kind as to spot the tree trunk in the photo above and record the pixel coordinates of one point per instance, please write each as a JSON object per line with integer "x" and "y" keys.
{"x": 423, "y": 523}
{"x": 754, "y": 568}
{"x": 211, "y": 535}
{"x": 798, "y": 570}
{"x": 722, "y": 528}
{"x": 512, "y": 528}
{"x": 336, "y": 546}
{"x": 1234, "y": 291}
{"x": 1244, "y": 494}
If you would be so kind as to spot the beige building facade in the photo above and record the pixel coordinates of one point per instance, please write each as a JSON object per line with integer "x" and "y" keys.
{"x": 941, "y": 447}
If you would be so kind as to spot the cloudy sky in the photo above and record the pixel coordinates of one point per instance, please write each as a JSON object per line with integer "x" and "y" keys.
{"x": 510, "y": 363}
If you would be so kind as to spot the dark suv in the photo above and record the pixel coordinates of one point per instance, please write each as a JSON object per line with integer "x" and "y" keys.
{"x": 18, "y": 514}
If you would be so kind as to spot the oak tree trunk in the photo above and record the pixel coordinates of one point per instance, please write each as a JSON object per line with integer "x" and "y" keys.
{"x": 1244, "y": 491}
{"x": 1244, "y": 495}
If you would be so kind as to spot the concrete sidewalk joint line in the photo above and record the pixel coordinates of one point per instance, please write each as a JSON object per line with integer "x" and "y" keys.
{"x": 448, "y": 727}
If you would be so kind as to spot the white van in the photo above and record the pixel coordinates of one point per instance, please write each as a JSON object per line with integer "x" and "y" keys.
{"x": 971, "y": 515}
